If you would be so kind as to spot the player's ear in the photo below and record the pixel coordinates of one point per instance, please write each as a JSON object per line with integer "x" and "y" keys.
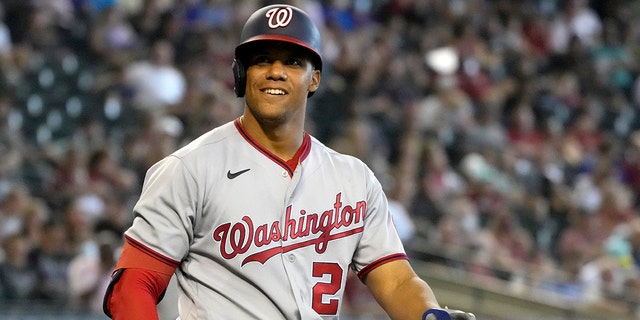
{"x": 315, "y": 81}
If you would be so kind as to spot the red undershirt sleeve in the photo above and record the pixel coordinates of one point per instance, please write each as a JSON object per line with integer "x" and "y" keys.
{"x": 138, "y": 283}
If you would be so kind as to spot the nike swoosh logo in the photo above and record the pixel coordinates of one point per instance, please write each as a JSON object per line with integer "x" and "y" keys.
{"x": 233, "y": 175}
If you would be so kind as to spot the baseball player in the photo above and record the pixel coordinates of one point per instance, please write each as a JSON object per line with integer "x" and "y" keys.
{"x": 256, "y": 218}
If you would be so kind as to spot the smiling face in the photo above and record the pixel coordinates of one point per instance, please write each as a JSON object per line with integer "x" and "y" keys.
{"x": 279, "y": 79}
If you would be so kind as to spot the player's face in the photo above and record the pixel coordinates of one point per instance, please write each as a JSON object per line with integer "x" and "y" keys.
{"x": 279, "y": 77}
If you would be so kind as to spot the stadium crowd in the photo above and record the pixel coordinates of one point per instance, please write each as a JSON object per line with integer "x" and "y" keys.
{"x": 507, "y": 131}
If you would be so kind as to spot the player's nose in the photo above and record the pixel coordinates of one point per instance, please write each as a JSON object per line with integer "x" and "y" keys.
{"x": 277, "y": 71}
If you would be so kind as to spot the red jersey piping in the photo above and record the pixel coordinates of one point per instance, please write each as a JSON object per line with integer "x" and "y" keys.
{"x": 290, "y": 165}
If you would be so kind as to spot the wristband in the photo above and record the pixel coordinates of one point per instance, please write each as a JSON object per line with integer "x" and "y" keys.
{"x": 447, "y": 314}
{"x": 440, "y": 314}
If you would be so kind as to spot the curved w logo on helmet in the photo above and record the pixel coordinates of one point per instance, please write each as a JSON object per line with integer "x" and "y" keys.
{"x": 279, "y": 17}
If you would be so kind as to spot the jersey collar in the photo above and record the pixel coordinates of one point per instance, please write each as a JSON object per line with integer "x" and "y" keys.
{"x": 289, "y": 165}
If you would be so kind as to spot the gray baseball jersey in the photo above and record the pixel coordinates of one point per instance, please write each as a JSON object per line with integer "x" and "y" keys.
{"x": 253, "y": 240}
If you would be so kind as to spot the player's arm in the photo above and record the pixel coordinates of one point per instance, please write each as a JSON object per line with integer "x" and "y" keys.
{"x": 399, "y": 290}
{"x": 404, "y": 295}
{"x": 138, "y": 284}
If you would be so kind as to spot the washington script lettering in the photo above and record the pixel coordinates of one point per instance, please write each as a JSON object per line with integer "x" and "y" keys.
{"x": 238, "y": 238}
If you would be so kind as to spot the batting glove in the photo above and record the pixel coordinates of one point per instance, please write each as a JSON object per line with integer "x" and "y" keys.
{"x": 447, "y": 314}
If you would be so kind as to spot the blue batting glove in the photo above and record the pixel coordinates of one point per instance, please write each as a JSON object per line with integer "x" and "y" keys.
{"x": 447, "y": 314}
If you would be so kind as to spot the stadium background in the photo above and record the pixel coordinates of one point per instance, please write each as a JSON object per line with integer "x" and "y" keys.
{"x": 506, "y": 133}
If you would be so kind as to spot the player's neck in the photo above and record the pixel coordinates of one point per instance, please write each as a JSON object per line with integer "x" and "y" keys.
{"x": 283, "y": 140}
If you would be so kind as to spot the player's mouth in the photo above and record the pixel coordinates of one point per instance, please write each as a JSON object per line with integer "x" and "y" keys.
{"x": 276, "y": 92}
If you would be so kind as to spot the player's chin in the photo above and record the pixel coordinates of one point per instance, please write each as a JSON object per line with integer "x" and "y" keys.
{"x": 270, "y": 114}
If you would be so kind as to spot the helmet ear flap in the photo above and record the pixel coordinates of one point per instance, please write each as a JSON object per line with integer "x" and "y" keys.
{"x": 240, "y": 77}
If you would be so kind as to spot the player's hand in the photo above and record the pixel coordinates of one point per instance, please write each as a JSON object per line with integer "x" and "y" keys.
{"x": 447, "y": 314}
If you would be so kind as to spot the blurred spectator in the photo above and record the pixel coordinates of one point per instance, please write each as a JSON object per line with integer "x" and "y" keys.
{"x": 106, "y": 175}
{"x": 212, "y": 14}
{"x": 361, "y": 138}
{"x": 458, "y": 230}
{"x": 146, "y": 20}
{"x": 575, "y": 18}
{"x": 70, "y": 175}
{"x": 580, "y": 242}
{"x": 157, "y": 83}
{"x": 402, "y": 220}
{"x": 631, "y": 166}
{"x": 12, "y": 149}
{"x": 509, "y": 245}
{"x": 89, "y": 274}
{"x": 560, "y": 216}
{"x": 601, "y": 278}
{"x": 478, "y": 65}
{"x": 612, "y": 60}
{"x": 35, "y": 216}
{"x": 154, "y": 139}
{"x": 615, "y": 208}
{"x": 115, "y": 217}
{"x": 634, "y": 241}
{"x": 585, "y": 132}
{"x": 532, "y": 215}
{"x": 13, "y": 206}
{"x": 438, "y": 186}
{"x": 524, "y": 136}
{"x": 6, "y": 44}
{"x": 42, "y": 25}
{"x": 445, "y": 113}
{"x": 51, "y": 258}
{"x": 112, "y": 37}
{"x": 487, "y": 134}
{"x": 618, "y": 114}
{"x": 80, "y": 216}
{"x": 18, "y": 278}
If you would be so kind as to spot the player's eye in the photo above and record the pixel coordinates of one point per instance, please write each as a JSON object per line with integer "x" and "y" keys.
{"x": 261, "y": 59}
{"x": 295, "y": 61}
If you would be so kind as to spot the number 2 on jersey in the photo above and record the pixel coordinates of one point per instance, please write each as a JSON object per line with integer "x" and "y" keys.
{"x": 329, "y": 288}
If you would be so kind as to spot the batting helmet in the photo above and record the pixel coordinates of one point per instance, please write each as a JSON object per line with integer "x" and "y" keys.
{"x": 278, "y": 22}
